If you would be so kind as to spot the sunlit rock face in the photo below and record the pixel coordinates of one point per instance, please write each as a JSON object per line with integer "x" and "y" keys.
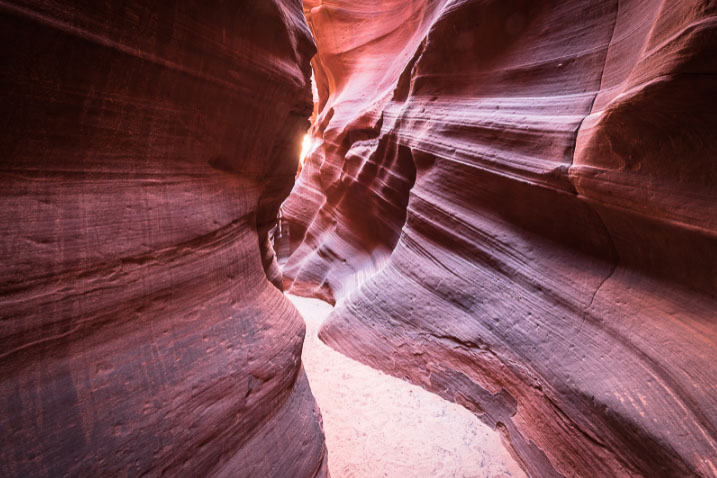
{"x": 146, "y": 148}
{"x": 513, "y": 202}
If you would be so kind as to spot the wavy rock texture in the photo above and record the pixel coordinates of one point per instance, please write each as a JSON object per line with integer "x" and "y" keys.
{"x": 513, "y": 203}
{"x": 146, "y": 148}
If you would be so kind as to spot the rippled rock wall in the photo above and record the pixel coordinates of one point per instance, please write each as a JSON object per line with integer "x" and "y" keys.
{"x": 146, "y": 147}
{"x": 513, "y": 203}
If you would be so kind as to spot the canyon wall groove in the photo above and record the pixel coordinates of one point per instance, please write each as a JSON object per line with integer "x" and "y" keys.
{"x": 512, "y": 204}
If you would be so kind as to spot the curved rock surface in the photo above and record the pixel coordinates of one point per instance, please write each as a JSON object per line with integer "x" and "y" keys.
{"x": 513, "y": 203}
{"x": 377, "y": 425}
{"x": 146, "y": 148}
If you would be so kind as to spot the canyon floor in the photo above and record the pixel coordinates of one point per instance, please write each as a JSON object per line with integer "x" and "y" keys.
{"x": 377, "y": 425}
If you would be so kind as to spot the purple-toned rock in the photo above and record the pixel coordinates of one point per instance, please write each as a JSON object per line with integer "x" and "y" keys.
{"x": 145, "y": 150}
{"x": 513, "y": 204}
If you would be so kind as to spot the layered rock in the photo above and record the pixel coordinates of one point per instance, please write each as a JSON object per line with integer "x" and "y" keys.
{"x": 145, "y": 151}
{"x": 512, "y": 203}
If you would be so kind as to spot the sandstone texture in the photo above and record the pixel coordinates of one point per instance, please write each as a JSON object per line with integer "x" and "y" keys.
{"x": 513, "y": 204}
{"x": 377, "y": 425}
{"x": 145, "y": 149}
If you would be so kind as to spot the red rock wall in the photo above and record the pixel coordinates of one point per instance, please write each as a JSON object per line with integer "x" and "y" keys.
{"x": 513, "y": 202}
{"x": 146, "y": 147}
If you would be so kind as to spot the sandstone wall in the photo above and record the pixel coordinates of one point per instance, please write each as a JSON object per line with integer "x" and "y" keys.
{"x": 145, "y": 149}
{"x": 513, "y": 203}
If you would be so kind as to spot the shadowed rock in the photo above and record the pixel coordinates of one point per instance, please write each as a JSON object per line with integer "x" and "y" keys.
{"x": 146, "y": 147}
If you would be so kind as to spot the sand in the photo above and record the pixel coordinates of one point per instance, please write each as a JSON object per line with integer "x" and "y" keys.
{"x": 377, "y": 425}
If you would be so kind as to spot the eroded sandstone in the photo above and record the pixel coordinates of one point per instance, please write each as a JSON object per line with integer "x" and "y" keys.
{"x": 146, "y": 148}
{"x": 513, "y": 204}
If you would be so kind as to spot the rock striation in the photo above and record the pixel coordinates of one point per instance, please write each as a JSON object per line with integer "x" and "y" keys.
{"x": 512, "y": 203}
{"x": 146, "y": 148}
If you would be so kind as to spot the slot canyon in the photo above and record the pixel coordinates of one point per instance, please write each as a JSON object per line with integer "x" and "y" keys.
{"x": 510, "y": 204}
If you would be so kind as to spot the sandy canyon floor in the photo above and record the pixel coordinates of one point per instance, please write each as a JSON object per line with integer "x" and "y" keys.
{"x": 377, "y": 425}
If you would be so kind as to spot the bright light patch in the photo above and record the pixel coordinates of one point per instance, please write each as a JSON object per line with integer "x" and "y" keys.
{"x": 305, "y": 148}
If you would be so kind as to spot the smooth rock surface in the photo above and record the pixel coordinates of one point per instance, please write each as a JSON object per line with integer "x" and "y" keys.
{"x": 381, "y": 426}
{"x": 513, "y": 203}
{"x": 145, "y": 149}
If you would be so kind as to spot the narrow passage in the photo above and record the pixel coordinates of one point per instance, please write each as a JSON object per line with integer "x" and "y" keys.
{"x": 377, "y": 425}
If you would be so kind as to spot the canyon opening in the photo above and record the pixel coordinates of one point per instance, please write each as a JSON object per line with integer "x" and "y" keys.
{"x": 502, "y": 237}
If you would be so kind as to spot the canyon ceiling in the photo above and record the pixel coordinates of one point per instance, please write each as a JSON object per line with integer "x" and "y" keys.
{"x": 513, "y": 203}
